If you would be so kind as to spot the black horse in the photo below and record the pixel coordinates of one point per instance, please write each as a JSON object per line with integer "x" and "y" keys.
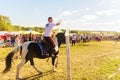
{"x": 28, "y": 51}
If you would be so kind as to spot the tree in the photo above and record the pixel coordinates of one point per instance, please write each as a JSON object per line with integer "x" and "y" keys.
{"x": 5, "y": 23}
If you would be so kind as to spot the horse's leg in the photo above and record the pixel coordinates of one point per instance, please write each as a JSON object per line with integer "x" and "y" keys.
{"x": 32, "y": 64}
{"x": 53, "y": 63}
{"x": 19, "y": 67}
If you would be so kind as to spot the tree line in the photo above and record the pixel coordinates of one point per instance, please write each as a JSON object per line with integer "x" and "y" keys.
{"x": 6, "y": 25}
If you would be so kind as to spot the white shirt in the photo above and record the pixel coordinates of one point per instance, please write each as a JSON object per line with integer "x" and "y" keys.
{"x": 48, "y": 29}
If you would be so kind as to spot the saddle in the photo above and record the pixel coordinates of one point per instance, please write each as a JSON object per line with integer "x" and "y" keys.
{"x": 45, "y": 47}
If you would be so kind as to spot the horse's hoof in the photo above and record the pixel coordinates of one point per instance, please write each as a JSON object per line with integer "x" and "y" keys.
{"x": 17, "y": 78}
{"x": 54, "y": 70}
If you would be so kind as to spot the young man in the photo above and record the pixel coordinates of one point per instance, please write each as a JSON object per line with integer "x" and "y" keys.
{"x": 48, "y": 30}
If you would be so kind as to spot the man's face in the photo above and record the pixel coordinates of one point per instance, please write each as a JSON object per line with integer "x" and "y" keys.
{"x": 50, "y": 20}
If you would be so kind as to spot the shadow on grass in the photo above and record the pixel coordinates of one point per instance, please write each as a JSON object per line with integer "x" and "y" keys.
{"x": 77, "y": 44}
{"x": 82, "y": 44}
{"x": 37, "y": 76}
{"x": 2, "y": 59}
{"x": 63, "y": 46}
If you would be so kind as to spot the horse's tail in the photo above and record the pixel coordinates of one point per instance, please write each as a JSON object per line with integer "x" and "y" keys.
{"x": 9, "y": 59}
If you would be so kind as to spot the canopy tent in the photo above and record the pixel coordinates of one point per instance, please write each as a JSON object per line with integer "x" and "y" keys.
{"x": 14, "y": 33}
{"x": 32, "y": 32}
{"x": 3, "y": 33}
{"x": 28, "y": 32}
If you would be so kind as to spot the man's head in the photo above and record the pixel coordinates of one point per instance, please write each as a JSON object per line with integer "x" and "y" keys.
{"x": 50, "y": 19}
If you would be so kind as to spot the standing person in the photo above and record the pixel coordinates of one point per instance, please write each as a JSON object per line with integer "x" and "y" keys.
{"x": 30, "y": 37}
{"x": 16, "y": 40}
{"x": 17, "y": 43}
{"x": 84, "y": 38}
{"x": 73, "y": 39}
{"x": 47, "y": 36}
{"x": 13, "y": 41}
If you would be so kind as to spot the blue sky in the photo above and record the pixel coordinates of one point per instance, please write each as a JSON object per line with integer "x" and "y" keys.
{"x": 79, "y": 14}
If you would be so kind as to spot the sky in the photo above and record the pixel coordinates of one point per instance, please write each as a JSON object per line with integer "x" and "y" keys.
{"x": 100, "y": 15}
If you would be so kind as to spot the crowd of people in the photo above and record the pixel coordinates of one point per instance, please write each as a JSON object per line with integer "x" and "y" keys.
{"x": 91, "y": 37}
{"x": 16, "y": 40}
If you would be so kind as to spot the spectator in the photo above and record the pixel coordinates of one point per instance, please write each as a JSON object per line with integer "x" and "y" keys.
{"x": 84, "y": 38}
{"x": 12, "y": 41}
{"x": 73, "y": 39}
{"x": 17, "y": 40}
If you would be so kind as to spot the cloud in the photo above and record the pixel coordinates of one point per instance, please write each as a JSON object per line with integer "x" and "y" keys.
{"x": 115, "y": 1}
{"x": 69, "y": 13}
{"x": 82, "y": 24}
{"x": 82, "y": 19}
{"x": 89, "y": 17}
{"x": 108, "y": 12}
{"x": 75, "y": 21}
{"x": 104, "y": 26}
{"x": 86, "y": 9}
{"x": 110, "y": 2}
{"x": 104, "y": 2}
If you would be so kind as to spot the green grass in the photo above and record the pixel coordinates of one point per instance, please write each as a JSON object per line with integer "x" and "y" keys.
{"x": 89, "y": 61}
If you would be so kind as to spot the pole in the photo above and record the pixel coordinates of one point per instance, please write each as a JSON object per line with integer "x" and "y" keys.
{"x": 68, "y": 53}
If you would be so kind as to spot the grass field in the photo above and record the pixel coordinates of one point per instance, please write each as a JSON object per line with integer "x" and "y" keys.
{"x": 89, "y": 61}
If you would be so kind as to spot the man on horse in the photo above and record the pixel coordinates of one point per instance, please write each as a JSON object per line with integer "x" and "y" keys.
{"x": 47, "y": 35}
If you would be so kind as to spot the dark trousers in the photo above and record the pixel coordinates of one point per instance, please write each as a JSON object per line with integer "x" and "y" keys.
{"x": 50, "y": 41}
{"x": 73, "y": 42}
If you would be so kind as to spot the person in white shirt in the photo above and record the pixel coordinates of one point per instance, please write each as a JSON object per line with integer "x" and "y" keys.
{"x": 48, "y": 30}
{"x": 73, "y": 39}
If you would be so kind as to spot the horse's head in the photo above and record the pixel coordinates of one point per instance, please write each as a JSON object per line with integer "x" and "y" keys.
{"x": 60, "y": 38}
